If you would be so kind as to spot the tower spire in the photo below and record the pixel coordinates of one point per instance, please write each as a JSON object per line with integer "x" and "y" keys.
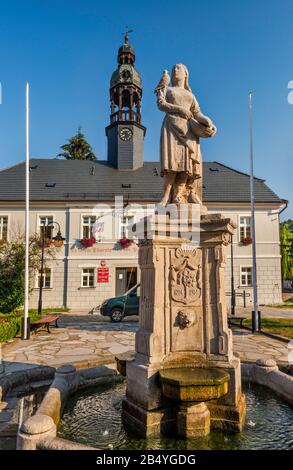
{"x": 125, "y": 132}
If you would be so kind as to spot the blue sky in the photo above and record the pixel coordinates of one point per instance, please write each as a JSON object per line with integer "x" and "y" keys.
{"x": 67, "y": 50}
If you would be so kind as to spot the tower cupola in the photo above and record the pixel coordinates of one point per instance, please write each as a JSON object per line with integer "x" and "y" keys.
{"x": 125, "y": 133}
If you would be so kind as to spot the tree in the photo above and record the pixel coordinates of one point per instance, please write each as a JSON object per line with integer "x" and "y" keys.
{"x": 12, "y": 264}
{"x": 78, "y": 148}
{"x": 286, "y": 238}
{"x": 289, "y": 224}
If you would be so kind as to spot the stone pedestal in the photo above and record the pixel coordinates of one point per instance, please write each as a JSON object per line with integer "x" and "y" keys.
{"x": 183, "y": 319}
{"x": 193, "y": 420}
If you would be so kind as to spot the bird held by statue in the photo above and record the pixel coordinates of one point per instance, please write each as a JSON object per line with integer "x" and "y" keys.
{"x": 164, "y": 82}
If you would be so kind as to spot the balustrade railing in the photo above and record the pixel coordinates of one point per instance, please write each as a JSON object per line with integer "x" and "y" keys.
{"x": 125, "y": 115}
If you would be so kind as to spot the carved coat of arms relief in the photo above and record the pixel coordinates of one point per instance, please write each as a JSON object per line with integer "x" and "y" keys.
{"x": 185, "y": 276}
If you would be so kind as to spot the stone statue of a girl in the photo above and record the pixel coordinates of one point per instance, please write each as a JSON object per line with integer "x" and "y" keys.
{"x": 184, "y": 124}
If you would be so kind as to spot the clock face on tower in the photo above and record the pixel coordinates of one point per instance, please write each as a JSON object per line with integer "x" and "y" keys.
{"x": 125, "y": 134}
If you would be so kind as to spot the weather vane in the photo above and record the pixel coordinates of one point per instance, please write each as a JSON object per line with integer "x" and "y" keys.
{"x": 125, "y": 33}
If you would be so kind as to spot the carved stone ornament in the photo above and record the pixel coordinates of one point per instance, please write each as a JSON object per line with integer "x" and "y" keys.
{"x": 185, "y": 276}
{"x": 226, "y": 238}
{"x": 184, "y": 319}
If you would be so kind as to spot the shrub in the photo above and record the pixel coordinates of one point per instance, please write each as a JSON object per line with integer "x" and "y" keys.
{"x": 12, "y": 265}
{"x": 10, "y": 324}
{"x": 8, "y": 328}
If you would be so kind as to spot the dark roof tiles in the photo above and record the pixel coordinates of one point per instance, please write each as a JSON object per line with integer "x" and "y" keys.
{"x": 76, "y": 180}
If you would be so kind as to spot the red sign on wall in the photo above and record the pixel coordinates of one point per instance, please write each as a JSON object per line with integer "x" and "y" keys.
{"x": 103, "y": 274}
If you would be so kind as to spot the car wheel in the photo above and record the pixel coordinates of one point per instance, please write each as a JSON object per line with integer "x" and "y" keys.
{"x": 116, "y": 315}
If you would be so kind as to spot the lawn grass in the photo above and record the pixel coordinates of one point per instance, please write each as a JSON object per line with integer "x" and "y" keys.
{"x": 50, "y": 310}
{"x": 44, "y": 310}
{"x": 284, "y": 305}
{"x": 288, "y": 303}
{"x": 278, "y": 326}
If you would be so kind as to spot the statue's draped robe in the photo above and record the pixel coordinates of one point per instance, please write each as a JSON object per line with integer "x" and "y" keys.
{"x": 179, "y": 146}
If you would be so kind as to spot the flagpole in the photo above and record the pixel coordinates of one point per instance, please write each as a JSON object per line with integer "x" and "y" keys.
{"x": 25, "y": 322}
{"x": 255, "y": 313}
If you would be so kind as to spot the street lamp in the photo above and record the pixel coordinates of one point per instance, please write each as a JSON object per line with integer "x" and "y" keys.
{"x": 58, "y": 243}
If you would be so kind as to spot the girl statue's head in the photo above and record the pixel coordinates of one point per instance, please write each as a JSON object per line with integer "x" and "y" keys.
{"x": 180, "y": 73}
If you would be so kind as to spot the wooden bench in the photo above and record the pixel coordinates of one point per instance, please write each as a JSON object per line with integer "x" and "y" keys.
{"x": 45, "y": 323}
{"x": 234, "y": 317}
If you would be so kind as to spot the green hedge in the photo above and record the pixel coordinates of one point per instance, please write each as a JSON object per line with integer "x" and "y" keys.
{"x": 10, "y": 324}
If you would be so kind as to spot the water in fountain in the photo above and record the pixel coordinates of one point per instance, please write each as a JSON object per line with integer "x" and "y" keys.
{"x": 94, "y": 418}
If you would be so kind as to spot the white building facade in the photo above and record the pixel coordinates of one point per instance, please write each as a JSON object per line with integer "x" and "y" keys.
{"x": 82, "y": 277}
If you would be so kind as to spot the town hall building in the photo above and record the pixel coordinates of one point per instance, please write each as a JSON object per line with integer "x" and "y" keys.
{"x": 92, "y": 266}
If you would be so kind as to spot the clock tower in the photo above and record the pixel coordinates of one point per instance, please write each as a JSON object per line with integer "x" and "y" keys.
{"x": 125, "y": 134}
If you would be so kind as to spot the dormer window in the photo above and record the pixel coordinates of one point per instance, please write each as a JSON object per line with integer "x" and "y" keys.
{"x": 126, "y": 75}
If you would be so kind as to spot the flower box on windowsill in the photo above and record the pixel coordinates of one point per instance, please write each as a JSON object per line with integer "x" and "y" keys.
{"x": 87, "y": 242}
{"x": 125, "y": 243}
{"x": 246, "y": 241}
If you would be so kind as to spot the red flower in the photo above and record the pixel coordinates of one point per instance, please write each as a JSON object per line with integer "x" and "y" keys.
{"x": 88, "y": 242}
{"x": 246, "y": 241}
{"x": 125, "y": 242}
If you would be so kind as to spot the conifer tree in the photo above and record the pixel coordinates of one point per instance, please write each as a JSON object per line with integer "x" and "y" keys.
{"x": 77, "y": 148}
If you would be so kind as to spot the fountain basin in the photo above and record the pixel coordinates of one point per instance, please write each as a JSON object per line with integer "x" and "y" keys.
{"x": 194, "y": 384}
{"x": 93, "y": 417}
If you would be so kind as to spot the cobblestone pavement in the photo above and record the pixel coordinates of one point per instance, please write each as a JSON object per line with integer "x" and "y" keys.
{"x": 89, "y": 340}
{"x": 268, "y": 312}
{"x": 250, "y": 347}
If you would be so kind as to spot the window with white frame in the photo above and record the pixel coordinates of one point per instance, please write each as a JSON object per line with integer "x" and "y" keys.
{"x": 88, "y": 225}
{"x": 246, "y": 276}
{"x": 46, "y": 224}
{"x": 87, "y": 277}
{"x": 3, "y": 227}
{"x": 125, "y": 225}
{"x": 244, "y": 227}
{"x": 47, "y": 279}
